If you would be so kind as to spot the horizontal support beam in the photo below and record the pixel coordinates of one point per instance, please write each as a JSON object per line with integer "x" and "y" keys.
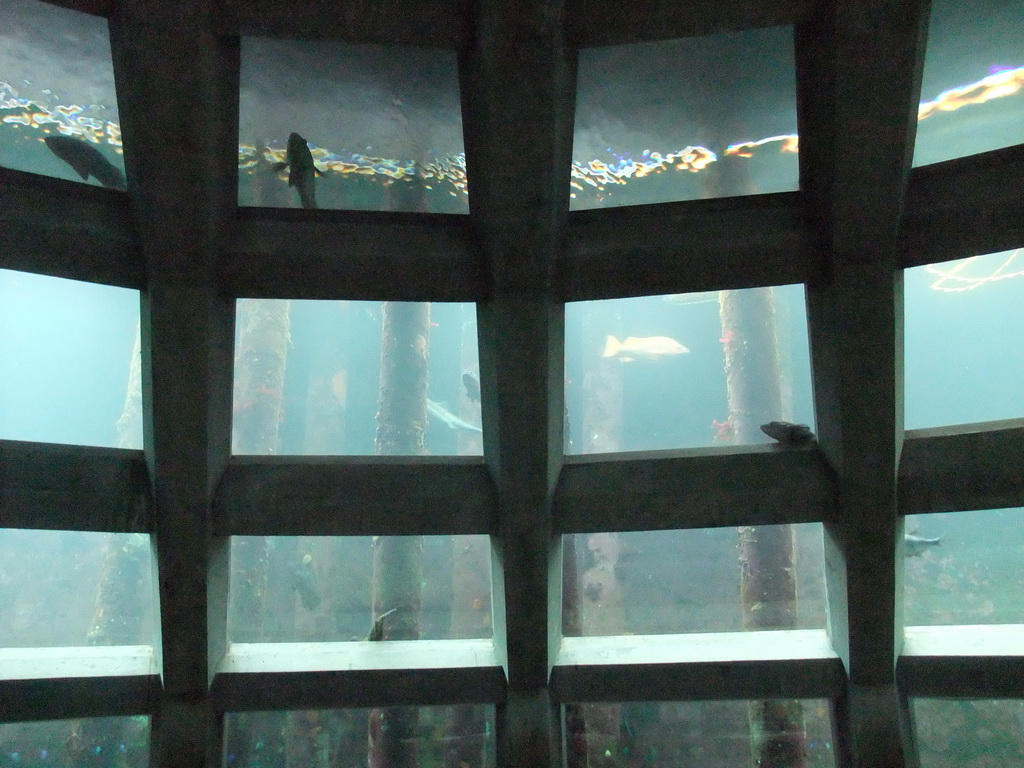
{"x": 698, "y": 245}
{"x": 589, "y": 25}
{"x": 964, "y": 207}
{"x": 73, "y": 488}
{"x": 298, "y": 254}
{"x": 58, "y": 683}
{"x": 260, "y": 676}
{"x": 963, "y": 467}
{"x": 439, "y": 23}
{"x": 731, "y": 665}
{"x": 355, "y": 496}
{"x": 94, "y": 7}
{"x": 963, "y": 661}
{"x": 68, "y": 229}
{"x": 700, "y": 488}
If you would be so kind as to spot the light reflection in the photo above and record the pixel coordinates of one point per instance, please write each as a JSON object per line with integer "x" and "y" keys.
{"x": 74, "y": 120}
{"x": 951, "y": 277}
{"x": 996, "y": 86}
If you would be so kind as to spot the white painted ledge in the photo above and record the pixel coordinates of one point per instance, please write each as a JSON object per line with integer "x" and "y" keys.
{"x": 76, "y": 662}
{"x": 358, "y": 656}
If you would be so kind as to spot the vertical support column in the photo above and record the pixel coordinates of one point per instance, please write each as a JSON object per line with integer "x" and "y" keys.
{"x": 176, "y": 87}
{"x": 517, "y": 84}
{"x": 860, "y": 76}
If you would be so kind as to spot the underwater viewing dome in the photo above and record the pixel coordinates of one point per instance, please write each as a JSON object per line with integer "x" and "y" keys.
{"x": 557, "y": 383}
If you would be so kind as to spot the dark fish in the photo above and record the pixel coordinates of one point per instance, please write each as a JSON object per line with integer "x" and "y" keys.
{"x": 472, "y": 385}
{"x": 86, "y": 160}
{"x": 301, "y": 170}
{"x": 303, "y": 581}
{"x": 788, "y": 434}
{"x": 916, "y": 545}
{"x": 377, "y": 630}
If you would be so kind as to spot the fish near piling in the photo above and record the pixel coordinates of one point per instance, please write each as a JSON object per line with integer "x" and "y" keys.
{"x": 472, "y": 385}
{"x": 303, "y": 581}
{"x": 302, "y": 171}
{"x": 86, "y": 161}
{"x": 649, "y": 347}
{"x": 787, "y": 433}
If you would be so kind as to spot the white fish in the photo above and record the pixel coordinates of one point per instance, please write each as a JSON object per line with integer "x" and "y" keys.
{"x": 454, "y": 422}
{"x": 651, "y": 347}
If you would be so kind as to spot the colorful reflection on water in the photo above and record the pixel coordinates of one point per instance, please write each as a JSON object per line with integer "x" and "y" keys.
{"x": 27, "y": 121}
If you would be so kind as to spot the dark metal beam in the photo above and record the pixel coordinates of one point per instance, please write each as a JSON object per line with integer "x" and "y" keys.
{"x": 178, "y": 99}
{"x": 964, "y": 207}
{"x": 858, "y": 85}
{"x": 517, "y": 79}
{"x": 68, "y": 229}
{"x": 732, "y": 665}
{"x": 607, "y": 22}
{"x": 298, "y": 254}
{"x": 353, "y": 496}
{"x": 438, "y": 23}
{"x": 94, "y": 7}
{"x": 963, "y": 467}
{"x": 734, "y": 242}
{"x": 73, "y": 488}
{"x": 702, "y": 488}
{"x": 979, "y": 662}
{"x": 59, "y": 683}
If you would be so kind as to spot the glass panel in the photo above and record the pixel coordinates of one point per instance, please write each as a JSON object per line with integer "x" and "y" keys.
{"x": 394, "y": 736}
{"x": 702, "y": 580}
{"x": 980, "y": 733}
{"x": 309, "y": 378}
{"x": 329, "y": 589}
{"x": 58, "y": 109}
{"x": 383, "y": 125}
{"x": 69, "y": 588}
{"x": 973, "y": 72}
{"x": 685, "y": 119}
{"x": 668, "y": 371}
{"x": 68, "y": 372}
{"x": 964, "y": 321}
{"x": 120, "y": 741}
{"x": 704, "y": 734}
{"x": 965, "y": 568}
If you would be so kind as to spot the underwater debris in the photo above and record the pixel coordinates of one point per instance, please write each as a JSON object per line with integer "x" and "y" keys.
{"x": 916, "y": 545}
{"x": 301, "y": 170}
{"x": 787, "y": 433}
{"x": 86, "y": 161}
